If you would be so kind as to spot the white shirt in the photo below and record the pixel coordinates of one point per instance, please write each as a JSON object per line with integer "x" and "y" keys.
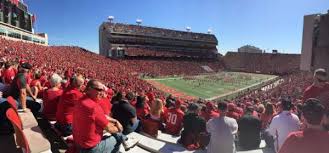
{"x": 222, "y": 130}
{"x": 281, "y": 125}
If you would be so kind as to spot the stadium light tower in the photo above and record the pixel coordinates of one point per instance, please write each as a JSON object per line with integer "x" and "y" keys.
{"x": 139, "y": 21}
{"x": 110, "y": 18}
{"x": 188, "y": 29}
{"x": 209, "y": 31}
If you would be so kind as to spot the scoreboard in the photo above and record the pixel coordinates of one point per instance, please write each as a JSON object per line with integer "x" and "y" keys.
{"x": 15, "y": 14}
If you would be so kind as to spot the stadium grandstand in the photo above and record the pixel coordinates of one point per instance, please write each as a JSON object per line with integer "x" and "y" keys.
{"x": 154, "y": 90}
{"x": 121, "y": 40}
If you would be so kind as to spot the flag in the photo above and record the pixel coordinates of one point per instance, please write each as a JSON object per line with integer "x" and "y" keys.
{"x": 34, "y": 18}
{"x": 15, "y": 2}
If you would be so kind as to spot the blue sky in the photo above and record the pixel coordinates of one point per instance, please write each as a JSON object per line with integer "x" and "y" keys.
{"x": 268, "y": 24}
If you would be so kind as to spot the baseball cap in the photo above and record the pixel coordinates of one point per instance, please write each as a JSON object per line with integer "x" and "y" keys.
{"x": 193, "y": 107}
{"x": 26, "y": 65}
{"x": 320, "y": 74}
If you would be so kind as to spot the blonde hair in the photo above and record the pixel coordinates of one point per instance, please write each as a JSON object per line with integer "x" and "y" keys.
{"x": 156, "y": 108}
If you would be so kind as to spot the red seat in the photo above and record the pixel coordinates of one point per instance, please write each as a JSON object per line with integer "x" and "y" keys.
{"x": 12, "y": 103}
{"x": 18, "y": 126}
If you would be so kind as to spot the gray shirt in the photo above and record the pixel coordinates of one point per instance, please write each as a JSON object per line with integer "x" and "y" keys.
{"x": 222, "y": 130}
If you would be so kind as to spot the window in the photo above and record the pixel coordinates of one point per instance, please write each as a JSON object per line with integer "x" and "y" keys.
{"x": 24, "y": 37}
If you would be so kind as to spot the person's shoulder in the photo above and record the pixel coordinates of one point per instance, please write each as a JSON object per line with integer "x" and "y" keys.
{"x": 230, "y": 119}
{"x": 87, "y": 103}
{"x": 180, "y": 112}
{"x": 296, "y": 135}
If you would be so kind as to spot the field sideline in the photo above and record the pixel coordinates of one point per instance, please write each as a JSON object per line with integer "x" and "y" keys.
{"x": 209, "y": 86}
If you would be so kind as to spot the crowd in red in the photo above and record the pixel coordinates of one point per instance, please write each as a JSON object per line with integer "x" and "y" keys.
{"x": 262, "y": 62}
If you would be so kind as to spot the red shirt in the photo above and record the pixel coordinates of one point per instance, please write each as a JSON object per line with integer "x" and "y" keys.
{"x": 50, "y": 100}
{"x": 151, "y": 126}
{"x": 141, "y": 112}
{"x": 174, "y": 120}
{"x": 321, "y": 93}
{"x": 8, "y": 75}
{"x": 105, "y": 105}
{"x": 89, "y": 124}
{"x": 209, "y": 115}
{"x": 70, "y": 97}
{"x": 307, "y": 141}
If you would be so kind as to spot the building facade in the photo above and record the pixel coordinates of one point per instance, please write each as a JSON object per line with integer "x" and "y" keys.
{"x": 315, "y": 43}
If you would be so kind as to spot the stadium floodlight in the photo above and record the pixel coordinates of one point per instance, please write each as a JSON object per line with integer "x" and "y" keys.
{"x": 139, "y": 21}
{"x": 209, "y": 31}
{"x": 110, "y": 18}
{"x": 188, "y": 29}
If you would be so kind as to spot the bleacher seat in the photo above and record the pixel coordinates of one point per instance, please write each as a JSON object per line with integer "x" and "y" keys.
{"x": 158, "y": 146}
{"x": 37, "y": 142}
{"x": 28, "y": 119}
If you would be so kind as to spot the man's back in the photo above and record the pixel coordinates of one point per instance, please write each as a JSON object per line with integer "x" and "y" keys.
{"x": 64, "y": 114}
{"x": 124, "y": 112}
{"x": 249, "y": 132}
{"x": 174, "y": 119}
{"x": 282, "y": 125}
{"x": 308, "y": 141}
{"x": 222, "y": 130}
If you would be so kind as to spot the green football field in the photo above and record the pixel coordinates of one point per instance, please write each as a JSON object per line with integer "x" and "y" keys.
{"x": 214, "y": 85}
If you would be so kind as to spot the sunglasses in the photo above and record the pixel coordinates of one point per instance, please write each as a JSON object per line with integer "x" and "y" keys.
{"x": 98, "y": 89}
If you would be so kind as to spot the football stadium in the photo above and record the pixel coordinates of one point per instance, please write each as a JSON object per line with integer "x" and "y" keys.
{"x": 153, "y": 87}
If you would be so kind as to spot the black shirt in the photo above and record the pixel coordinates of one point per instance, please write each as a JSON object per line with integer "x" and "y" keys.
{"x": 124, "y": 112}
{"x": 194, "y": 123}
{"x": 18, "y": 83}
{"x": 249, "y": 132}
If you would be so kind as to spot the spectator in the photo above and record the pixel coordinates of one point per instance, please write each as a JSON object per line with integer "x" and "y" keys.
{"x": 222, "y": 130}
{"x": 194, "y": 128}
{"x": 231, "y": 111}
{"x": 70, "y": 97}
{"x": 312, "y": 139}
{"x": 125, "y": 113}
{"x": 267, "y": 116}
{"x": 320, "y": 90}
{"x": 320, "y": 87}
{"x": 51, "y": 97}
{"x": 282, "y": 124}
{"x": 209, "y": 111}
{"x": 174, "y": 118}
{"x": 142, "y": 107}
{"x": 249, "y": 130}
{"x": 8, "y": 74}
{"x": 36, "y": 87}
{"x": 19, "y": 90}
{"x": 105, "y": 103}
{"x": 91, "y": 122}
{"x": 153, "y": 121}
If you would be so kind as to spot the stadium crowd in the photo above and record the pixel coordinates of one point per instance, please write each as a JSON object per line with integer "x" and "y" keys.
{"x": 119, "y": 103}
